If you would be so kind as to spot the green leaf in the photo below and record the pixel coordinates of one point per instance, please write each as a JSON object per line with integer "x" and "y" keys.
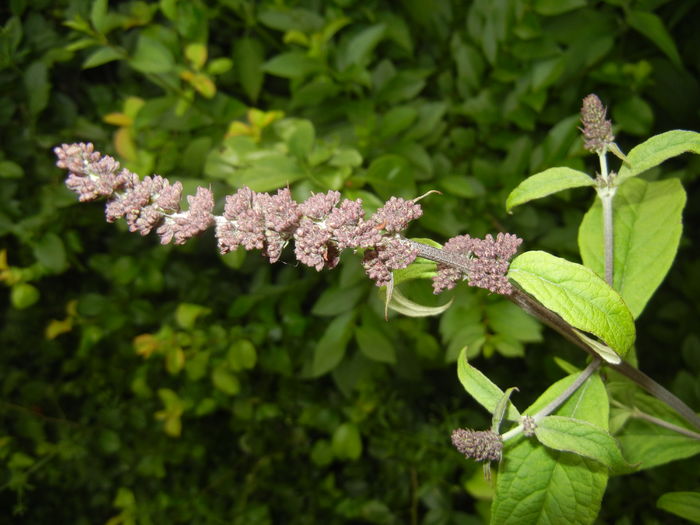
{"x": 284, "y": 19}
{"x": 403, "y": 305}
{"x": 248, "y": 56}
{"x": 578, "y": 295}
{"x": 330, "y": 349}
{"x": 186, "y": 314}
{"x": 546, "y": 183}
{"x": 196, "y": 53}
{"x": 23, "y": 295}
{"x": 507, "y": 319}
{"x": 360, "y": 46}
{"x": 241, "y": 355}
{"x": 633, "y": 115}
{"x": 536, "y": 485}
{"x": 337, "y": 300}
{"x": 225, "y": 381}
{"x": 463, "y": 186}
{"x": 648, "y": 444}
{"x": 51, "y": 253}
{"x": 152, "y": 56}
{"x": 480, "y": 387}
{"x": 580, "y": 437}
{"x": 298, "y": 134}
{"x": 10, "y": 170}
{"x": 374, "y": 344}
{"x": 683, "y": 504}
{"x": 652, "y": 27}
{"x": 98, "y": 15}
{"x": 37, "y": 86}
{"x": 657, "y": 149}
{"x": 102, "y": 56}
{"x": 647, "y": 222}
{"x": 293, "y": 64}
{"x": 346, "y": 442}
{"x": 268, "y": 173}
{"x": 556, "y": 7}
{"x": 391, "y": 175}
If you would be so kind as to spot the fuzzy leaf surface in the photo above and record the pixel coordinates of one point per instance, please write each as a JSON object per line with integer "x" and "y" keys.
{"x": 537, "y": 485}
{"x": 647, "y": 230}
{"x": 546, "y": 183}
{"x": 578, "y": 295}
{"x": 657, "y": 149}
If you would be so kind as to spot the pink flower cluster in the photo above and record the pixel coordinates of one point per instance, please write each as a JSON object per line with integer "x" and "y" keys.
{"x": 488, "y": 262}
{"x": 597, "y": 130}
{"x": 321, "y": 227}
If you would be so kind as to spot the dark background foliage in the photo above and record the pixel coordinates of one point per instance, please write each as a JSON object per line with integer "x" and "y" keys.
{"x": 150, "y": 384}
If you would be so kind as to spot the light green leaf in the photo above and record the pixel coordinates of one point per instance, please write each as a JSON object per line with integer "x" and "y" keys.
{"x": 647, "y": 230}
{"x": 507, "y": 319}
{"x": 268, "y": 173}
{"x": 578, "y": 295}
{"x": 152, "y": 56}
{"x": 225, "y": 381}
{"x": 23, "y": 295}
{"x": 10, "y": 170}
{"x": 657, "y": 149}
{"x": 330, "y": 349}
{"x": 683, "y": 504}
{"x": 501, "y": 408}
{"x": 536, "y": 485}
{"x": 556, "y": 7}
{"x": 186, "y": 314}
{"x": 98, "y": 15}
{"x": 403, "y": 305}
{"x": 374, "y": 344}
{"x": 480, "y": 387}
{"x": 361, "y": 45}
{"x": 580, "y": 437}
{"x": 546, "y": 183}
{"x": 37, "y": 86}
{"x": 337, "y": 300}
{"x": 648, "y": 444}
{"x": 293, "y": 64}
{"x": 603, "y": 351}
{"x": 652, "y": 27}
{"x": 346, "y": 442}
{"x": 391, "y": 175}
{"x": 248, "y": 58}
{"x": 102, "y": 56}
{"x": 241, "y": 355}
{"x": 51, "y": 253}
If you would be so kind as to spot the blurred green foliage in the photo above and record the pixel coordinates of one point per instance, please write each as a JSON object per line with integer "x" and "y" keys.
{"x": 150, "y": 384}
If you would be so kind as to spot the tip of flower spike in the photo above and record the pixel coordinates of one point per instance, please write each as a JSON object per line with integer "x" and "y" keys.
{"x": 597, "y": 131}
{"x": 479, "y": 445}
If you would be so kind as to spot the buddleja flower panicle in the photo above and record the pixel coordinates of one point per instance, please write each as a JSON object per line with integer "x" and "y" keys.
{"x": 479, "y": 445}
{"x": 597, "y": 131}
{"x": 321, "y": 227}
{"x": 488, "y": 258}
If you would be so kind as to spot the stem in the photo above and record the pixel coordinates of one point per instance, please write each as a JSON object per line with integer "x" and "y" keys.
{"x": 606, "y": 195}
{"x": 606, "y": 192}
{"x": 556, "y": 402}
{"x": 554, "y": 321}
{"x": 635, "y": 412}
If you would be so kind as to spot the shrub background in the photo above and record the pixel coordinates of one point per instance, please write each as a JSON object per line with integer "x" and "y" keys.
{"x": 155, "y": 384}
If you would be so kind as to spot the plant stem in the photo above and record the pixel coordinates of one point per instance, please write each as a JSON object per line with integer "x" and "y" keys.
{"x": 554, "y": 321}
{"x": 635, "y": 412}
{"x": 606, "y": 192}
{"x": 555, "y": 403}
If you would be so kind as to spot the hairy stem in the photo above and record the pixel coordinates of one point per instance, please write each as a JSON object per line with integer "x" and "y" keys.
{"x": 554, "y": 321}
{"x": 636, "y": 413}
{"x": 561, "y": 398}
